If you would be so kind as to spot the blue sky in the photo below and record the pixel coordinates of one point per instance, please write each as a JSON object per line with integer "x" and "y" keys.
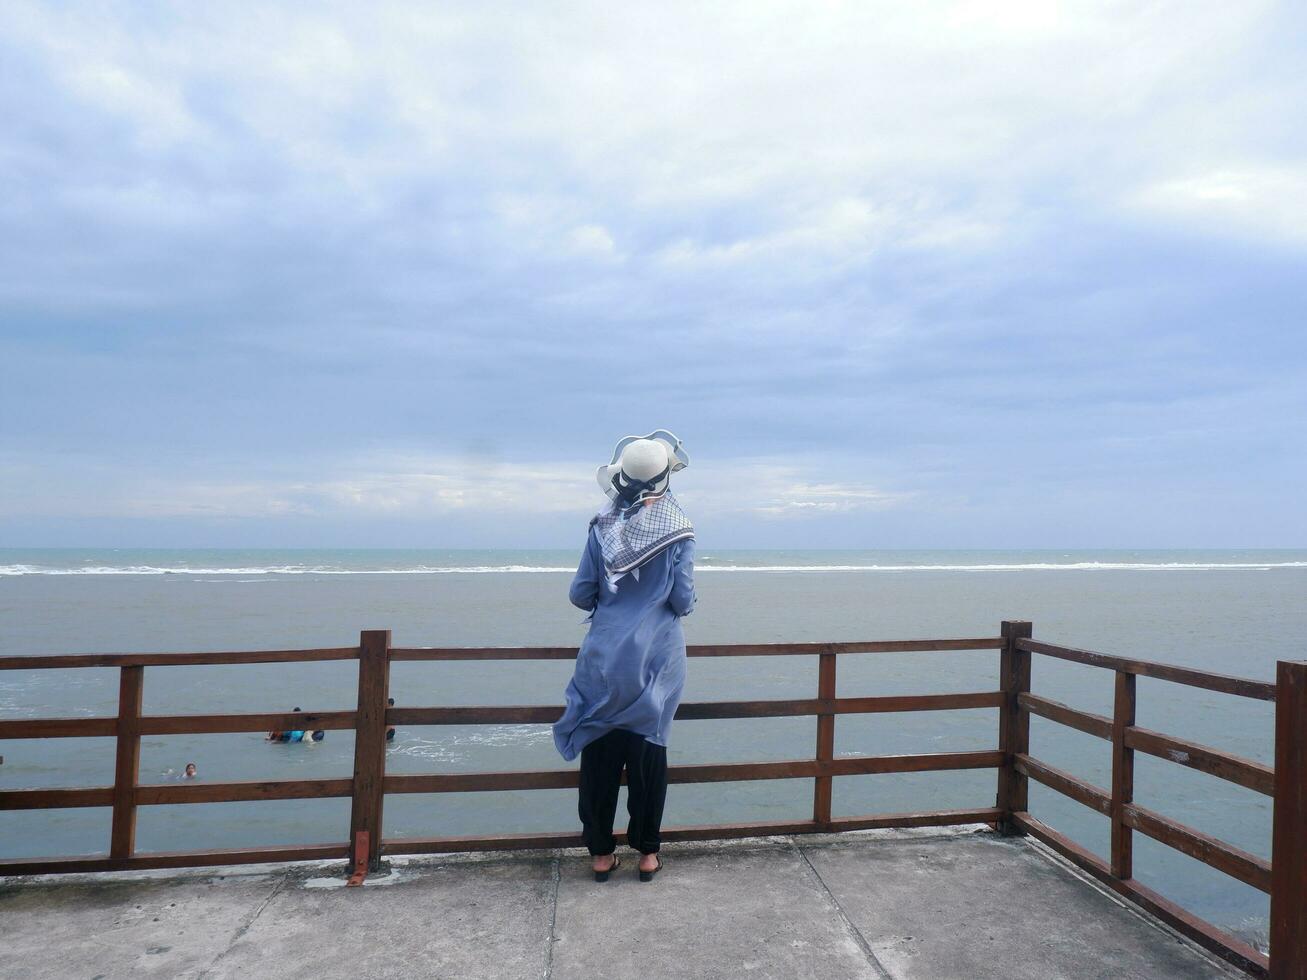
{"x": 900, "y": 275}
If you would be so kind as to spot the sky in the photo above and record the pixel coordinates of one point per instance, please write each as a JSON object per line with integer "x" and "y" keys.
{"x": 927, "y": 275}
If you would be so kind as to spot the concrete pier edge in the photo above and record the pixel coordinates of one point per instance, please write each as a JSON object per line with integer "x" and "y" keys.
{"x": 907, "y": 904}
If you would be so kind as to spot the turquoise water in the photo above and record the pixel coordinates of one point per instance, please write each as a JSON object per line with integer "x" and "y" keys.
{"x": 1230, "y": 611}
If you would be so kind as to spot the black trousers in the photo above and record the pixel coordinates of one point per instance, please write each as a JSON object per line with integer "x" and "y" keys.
{"x": 602, "y": 762}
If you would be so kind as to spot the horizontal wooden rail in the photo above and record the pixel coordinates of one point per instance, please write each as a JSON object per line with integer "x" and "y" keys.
{"x": 1241, "y": 686}
{"x": 1235, "y": 769}
{"x": 178, "y": 793}
{"x": 481, "y": 653}
{"x": 55, "y": 799}
{"x": 178, "y": 724}
{"x": 1085, "y": 721}
{"x": 704, "y": 650}
{"x": 53, "y": 661}
{"x": 533, "y": 841}
{"x": 481, "y": 715}
{"x": 513, "y": 842}
{"x": 1228, "y": 947}
{"x": 473, "y": 782}
{"x": 227, "y": 724}
{"x": 153, "y": 794}
{"x": 1215, "y": 853}
{"x": 1248, "y": 868}
{"x": 173, "y": 859}
{"x": 1066, "y": 784}
{"x": 935, "y": 818}
{"x": 545, "y": 714}
{"x": 915, "y": 702}
{"x": 58, "y": 727}
{"x": 56, "y": 661}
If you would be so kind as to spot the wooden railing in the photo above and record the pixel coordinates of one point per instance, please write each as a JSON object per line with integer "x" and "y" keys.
{"x": 1285, "y": 878}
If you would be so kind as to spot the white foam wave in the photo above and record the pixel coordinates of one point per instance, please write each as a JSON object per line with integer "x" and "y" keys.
{"x": 277, "y": 570}
{"x": 12, "y": 570}
{"x": 452, "y": 746}
{"x": 1016, "y": 567}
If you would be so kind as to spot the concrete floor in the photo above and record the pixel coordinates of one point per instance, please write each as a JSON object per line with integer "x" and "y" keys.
{"x": 917, "y": 905}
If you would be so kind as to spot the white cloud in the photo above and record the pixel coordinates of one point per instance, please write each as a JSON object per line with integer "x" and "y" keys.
{"x": 414, "y": 486}
{"x": 838, "y": 130}
{"x": 953, "y": 227}
{"x": 786, "y": 488}
{"x": 828, "y": 498}
{"x": 592, "y": 240}
{"x": 393, "y": 487}
{"x": 1259, "y": 203}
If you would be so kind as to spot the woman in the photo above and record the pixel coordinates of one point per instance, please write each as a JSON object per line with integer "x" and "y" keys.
{"x": 636, "y": 577}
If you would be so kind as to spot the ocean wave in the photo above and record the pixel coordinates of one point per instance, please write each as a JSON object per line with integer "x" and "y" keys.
{"x": 460, "y": 746}
{"x": 1015, "y": 567}
{"x": 12, "y": 570}
{"x": 276, "y": 570}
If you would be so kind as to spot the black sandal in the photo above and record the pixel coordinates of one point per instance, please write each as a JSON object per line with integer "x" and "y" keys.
{"x": 648, "y": 875}
{"x": 603, "y": 875}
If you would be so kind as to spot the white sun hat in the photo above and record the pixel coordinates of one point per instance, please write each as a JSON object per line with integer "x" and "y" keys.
{"x": 641, "y": 467}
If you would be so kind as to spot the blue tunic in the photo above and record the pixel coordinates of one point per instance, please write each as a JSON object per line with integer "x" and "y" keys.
{"x": 631, "y": 667}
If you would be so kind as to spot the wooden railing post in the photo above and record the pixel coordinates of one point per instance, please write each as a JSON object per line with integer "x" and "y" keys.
{"x": 821, "y": 791}
{"x": 1123, "y": 775}
{"x": 1013, "y": 723}
{"x": 370, "y": 744}
{"x": 127, "y": 765}
{"x": 1289, "y": 833}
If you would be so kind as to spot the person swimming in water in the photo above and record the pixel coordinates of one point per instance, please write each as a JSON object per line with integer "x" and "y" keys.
{"x": 294, "y": 735}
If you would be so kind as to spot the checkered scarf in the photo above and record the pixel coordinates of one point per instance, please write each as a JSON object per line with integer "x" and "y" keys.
{"x": 628, "y": 542}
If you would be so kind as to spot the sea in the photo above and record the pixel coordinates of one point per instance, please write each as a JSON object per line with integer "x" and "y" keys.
{"x": 1231, "y": 611}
